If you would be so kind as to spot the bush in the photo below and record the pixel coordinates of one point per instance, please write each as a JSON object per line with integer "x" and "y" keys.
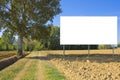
{"x": 101, "y": 47}
{"x": 104, "y": 47}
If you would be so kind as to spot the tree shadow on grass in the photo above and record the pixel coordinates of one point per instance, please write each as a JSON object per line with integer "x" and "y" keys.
{"x": 100, "y": 58}
{"x": 38, "y": 57}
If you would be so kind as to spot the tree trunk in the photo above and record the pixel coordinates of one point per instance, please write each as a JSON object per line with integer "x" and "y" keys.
{"x": 20, "y": 46}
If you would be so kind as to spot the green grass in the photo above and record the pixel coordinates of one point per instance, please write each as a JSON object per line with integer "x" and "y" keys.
{"x": 31, "y": 72}
{"x": 52, "y": 73}
{"x": 10, "y": 72}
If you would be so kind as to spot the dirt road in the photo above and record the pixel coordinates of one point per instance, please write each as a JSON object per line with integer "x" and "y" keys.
{"x": 33, "y": 58}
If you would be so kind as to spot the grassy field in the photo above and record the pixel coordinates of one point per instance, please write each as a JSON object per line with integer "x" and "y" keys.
{"x": 31, "y": 74}
{"x": 51, "y": 73}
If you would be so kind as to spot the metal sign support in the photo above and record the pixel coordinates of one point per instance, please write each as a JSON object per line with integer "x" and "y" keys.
{"x": 88, "y": 50}
{"x": 113, "y": 51}
{"x": 63, "y": 49}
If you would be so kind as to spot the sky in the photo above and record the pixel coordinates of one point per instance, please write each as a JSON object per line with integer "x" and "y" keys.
{"x": 89, "y": 8}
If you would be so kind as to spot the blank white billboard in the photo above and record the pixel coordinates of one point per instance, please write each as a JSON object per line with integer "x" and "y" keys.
{"x": 88, "y": 30}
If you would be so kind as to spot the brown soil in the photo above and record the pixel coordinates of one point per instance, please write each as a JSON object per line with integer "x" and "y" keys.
{"x": 81, "y": 67}
{"x": 7, "y": 54}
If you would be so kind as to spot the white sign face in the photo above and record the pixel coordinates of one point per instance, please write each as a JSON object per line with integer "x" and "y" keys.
{"x": 88, "y": 30}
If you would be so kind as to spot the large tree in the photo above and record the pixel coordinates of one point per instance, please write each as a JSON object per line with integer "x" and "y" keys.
{"x": 27, "y": 17}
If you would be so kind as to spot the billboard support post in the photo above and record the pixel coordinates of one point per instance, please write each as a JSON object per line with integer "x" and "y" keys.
{"x": 113, "y": 51}
{"x": 64, "y": 50}
{"x": 88, "y": 50}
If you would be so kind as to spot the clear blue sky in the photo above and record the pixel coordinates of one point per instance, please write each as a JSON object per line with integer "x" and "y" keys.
{"x": 90, "y": 8}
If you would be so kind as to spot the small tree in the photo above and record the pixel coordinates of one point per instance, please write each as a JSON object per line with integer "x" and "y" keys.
{"x": 104, "y": 47}
{"x": 101, "y": 47}
{"x": 118, "y": 44}
{"x": 7, "y": 39}
{"x": 108, "y": 47}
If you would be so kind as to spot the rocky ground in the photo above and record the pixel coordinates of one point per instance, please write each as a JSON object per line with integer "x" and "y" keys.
{"x": 82, "y": 67}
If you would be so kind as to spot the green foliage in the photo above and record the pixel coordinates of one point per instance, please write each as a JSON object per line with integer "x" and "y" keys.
{"x": 30, "y": 45}
{"x": 11, "y": 47}
{"x": 28, "y": 18}
{"x": 108, "y": 46}
{"x": 54, "y": 39}
{"x": 6, "y": 42}
{"x": 3, "y": 47}
{"x": 8, "y": 38}
{"x": 104, "y": 47}
{"x": 39, "y": 47}
{"x": 1, "y": 41}
{"x": 118, "y": 44}
{"x": 101, "y": 47}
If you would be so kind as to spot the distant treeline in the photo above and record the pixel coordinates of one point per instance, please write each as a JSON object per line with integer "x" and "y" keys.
{"x": 8, "y": 42}
{"x": 79, "y": 47}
